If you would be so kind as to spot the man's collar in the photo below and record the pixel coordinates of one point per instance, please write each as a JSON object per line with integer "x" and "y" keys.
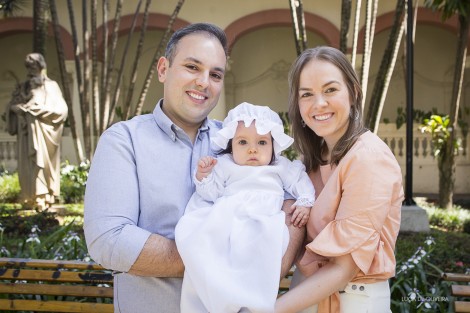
{"x": 165, "y": 124}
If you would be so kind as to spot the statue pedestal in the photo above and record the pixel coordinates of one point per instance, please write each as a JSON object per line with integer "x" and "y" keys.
{"x": 414, "y": 218}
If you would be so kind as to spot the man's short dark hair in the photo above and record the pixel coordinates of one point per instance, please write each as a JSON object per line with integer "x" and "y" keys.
{"x": 210, "y": 29}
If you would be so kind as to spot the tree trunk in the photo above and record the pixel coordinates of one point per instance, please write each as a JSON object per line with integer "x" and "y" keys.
{"x": 446, "y": 164}
{"x": 104, "y": 64}
{"x": 303, "y": 30}
{"x": 156, "y": 56}
{"x": 357, "y": 17}
{"x": 39, "y": 26}
{"x": 117, "y": 88}
{"x": 86, "y": 80}
{"x": 88, "y": 86}
{"x": 65, "y": 82}
{"x": 95, "y": 100}
{"x": 127, "y": 105}
{"x": 386, "y": 68}
{"x": 447, "y": 187}
{"x": 345, "y": 20}
{"x": 81, "y": 94}
{"x": 371, "y": 14}
{"x": 106, "y": 99}
{"x": 298, "y": 23}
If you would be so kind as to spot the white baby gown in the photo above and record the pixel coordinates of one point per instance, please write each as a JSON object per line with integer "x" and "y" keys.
{"x": 233, "y": 235}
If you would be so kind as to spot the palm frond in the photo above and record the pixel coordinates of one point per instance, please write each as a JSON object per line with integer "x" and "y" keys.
{"x": 12, "y": 8}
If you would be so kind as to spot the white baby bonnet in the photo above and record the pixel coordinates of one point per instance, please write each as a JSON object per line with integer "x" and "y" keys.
{"x": 266, "y": 121}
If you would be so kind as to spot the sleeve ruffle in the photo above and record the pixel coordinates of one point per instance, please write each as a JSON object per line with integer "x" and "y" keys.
{"x": 306, "y": 202}
{"x": 297, "y": 182}
{"x": 207, "y": 188}
{"x": 354, "y": 235}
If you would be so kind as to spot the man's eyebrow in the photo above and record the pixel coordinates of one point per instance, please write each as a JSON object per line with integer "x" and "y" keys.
{"x": 191, "y": 59}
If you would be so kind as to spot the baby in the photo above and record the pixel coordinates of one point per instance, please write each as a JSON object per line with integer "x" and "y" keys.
{"x": 233, "y": 234}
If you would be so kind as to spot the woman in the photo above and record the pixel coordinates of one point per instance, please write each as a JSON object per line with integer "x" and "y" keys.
{"x": 355, "y": 220}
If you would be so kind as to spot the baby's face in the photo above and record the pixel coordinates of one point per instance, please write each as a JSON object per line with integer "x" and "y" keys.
{"x": 250, "y": 148}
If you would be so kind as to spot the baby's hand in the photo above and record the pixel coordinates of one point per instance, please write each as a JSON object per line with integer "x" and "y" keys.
{"x": 204, "y": 167}
{"x": 300, "y": 216}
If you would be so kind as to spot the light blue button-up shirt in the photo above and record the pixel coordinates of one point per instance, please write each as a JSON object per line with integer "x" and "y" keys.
{"x": 139, "y": 183}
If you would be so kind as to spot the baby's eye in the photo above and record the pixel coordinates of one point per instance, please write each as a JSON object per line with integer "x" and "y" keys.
{"x": 263, "y": 142}
{"x": 242, "y": 142}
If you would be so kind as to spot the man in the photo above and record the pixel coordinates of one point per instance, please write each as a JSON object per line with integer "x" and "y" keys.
{"x": 36, "y": 114}
{"x": 141, "y": 175}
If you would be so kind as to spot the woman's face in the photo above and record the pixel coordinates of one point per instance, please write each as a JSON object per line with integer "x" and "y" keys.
{"x": 251, "y": 148}
{"x": 324, "y": 100}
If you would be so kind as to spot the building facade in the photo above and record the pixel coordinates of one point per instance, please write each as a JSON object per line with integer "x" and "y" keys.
{"x": 262, "y": 47}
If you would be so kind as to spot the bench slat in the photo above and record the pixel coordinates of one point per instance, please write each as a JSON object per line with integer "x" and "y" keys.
{"x": 462, "y": 306}
{"x": 57, "y": 280}
{"x": 456, "y": 277}
{"x": 56, "y": 290}
{"x": 55, "y": 276}
{"x": 461, "y": 290}
{"x": 68, "y": 264}
{"x": 284, "y": 284}
{"x": 55, "y": 306}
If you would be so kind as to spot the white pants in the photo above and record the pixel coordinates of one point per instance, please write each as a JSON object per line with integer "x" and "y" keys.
{"x": 371, "y": 298}
{"x": 365, "y": 298}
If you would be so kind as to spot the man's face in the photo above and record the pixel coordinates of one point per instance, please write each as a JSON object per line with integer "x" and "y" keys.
{"x": 193, "y": 82}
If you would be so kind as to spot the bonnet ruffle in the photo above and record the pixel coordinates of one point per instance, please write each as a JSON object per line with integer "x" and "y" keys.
{"x": 266, "y": 121}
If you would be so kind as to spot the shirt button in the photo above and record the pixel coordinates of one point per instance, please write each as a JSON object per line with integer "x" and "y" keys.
{"x": 361, "y": 288}
{"x": 354, "y": 287}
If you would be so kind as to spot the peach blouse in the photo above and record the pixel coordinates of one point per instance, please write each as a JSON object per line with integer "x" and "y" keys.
{"x": 357, "y": 212}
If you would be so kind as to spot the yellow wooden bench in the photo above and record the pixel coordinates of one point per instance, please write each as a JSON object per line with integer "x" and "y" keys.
{"x": 54, "y": 286}
{"x": 459, "y": 290}
{"x": 284, "y": 285}
{"x": 61, "y": 286}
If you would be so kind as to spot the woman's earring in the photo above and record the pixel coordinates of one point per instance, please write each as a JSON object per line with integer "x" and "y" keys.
{"x": 303, "y": 123}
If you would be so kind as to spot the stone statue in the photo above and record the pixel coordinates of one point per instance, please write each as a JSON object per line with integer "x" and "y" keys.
{"x": 36, "y": 114}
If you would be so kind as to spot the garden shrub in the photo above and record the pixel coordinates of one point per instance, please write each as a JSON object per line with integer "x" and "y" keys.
{"x": 61, "y": 244}
{"x": 466, "y": 226}
{"x": 9, "y": 187}
{"x": 72, "y": 181}
{"x": 417, "y": 285}
{"x": 18, "y": 222}
{"x": 451, "y": 220}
